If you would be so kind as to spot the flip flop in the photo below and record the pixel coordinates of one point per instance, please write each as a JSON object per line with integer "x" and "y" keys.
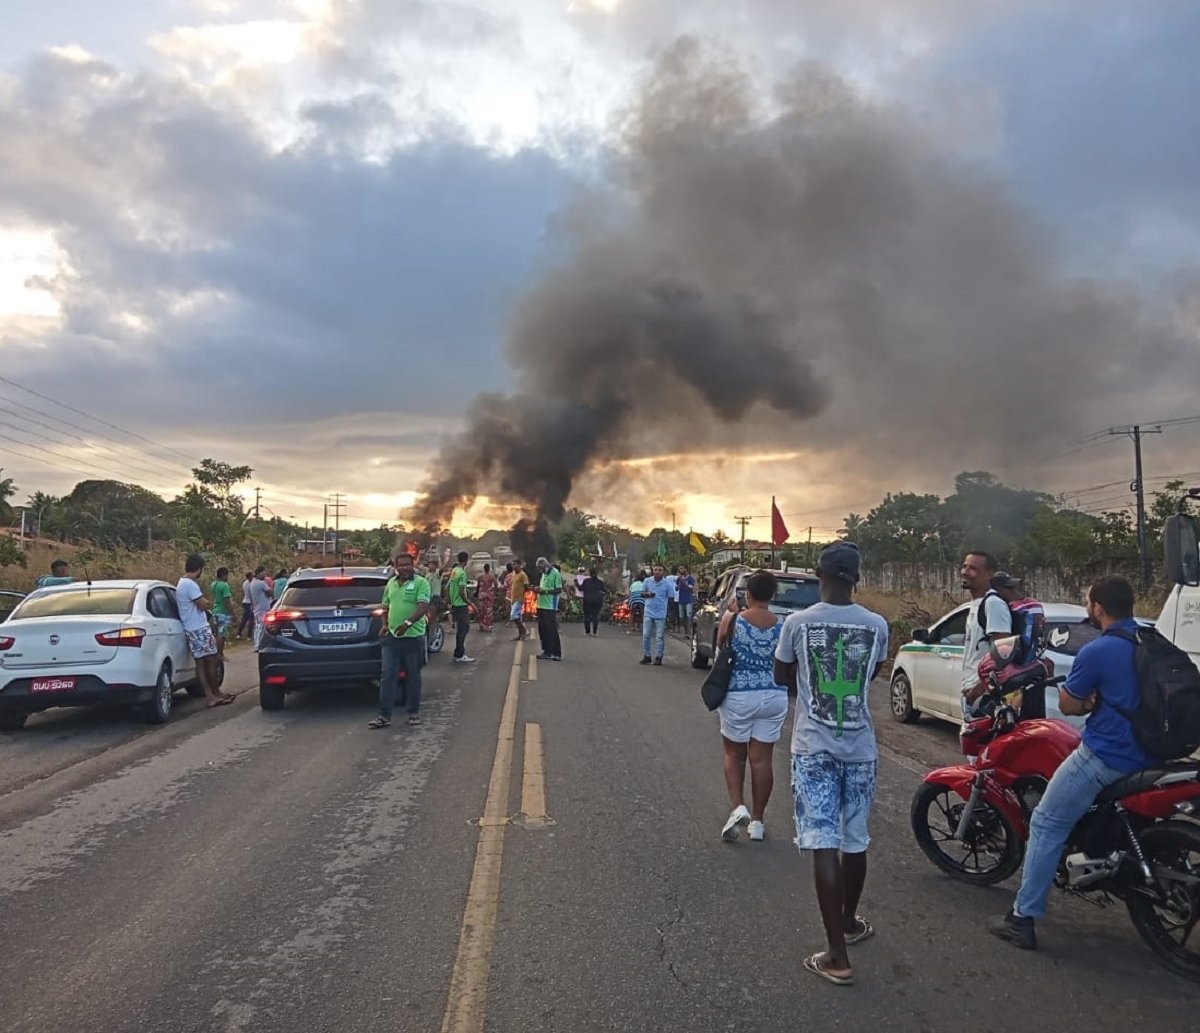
{"x": 222, "y": 702}
{"x": 868, "y": 930}
{"x": 814, "y": 966}
{"x": 378, "y": 722}
{"x": 413, "y": 719}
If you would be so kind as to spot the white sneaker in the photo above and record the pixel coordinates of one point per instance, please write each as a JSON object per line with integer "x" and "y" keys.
{"x": 464, "y": 659}
{"x": 758, "y": 831}
{"x": 738, "y": 816}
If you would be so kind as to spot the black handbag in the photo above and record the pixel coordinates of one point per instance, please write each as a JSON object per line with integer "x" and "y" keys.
{"x": 717, "y": 683}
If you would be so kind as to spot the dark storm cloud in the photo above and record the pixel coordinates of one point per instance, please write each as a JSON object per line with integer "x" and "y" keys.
{"x": 749, "y": 267}
{"x": 332, "y": 282}
{"x": 1098, "y": 118}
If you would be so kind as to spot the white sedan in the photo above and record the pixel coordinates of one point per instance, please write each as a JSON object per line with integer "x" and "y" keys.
{"x": 103, "y": 642}
{"x": 927, "y": 674}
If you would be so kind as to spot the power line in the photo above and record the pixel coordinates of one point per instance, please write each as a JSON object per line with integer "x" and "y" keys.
{"x": 97, "y": 419}
{"x": 149, "y": 466}
{"x": 77, "y": 463}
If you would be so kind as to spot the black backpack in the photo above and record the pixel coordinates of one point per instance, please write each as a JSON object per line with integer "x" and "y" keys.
{"x": 1017, "y": 617}
{"x": 1166, "y": 723}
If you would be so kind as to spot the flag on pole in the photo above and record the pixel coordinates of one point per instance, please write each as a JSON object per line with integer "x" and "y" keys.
{"x": 662, "y": 548}
{"x": 779, "y": 531}
{"x": 616, "y": 555}
{"x": 599, "y": 549}
{"x": 695, "y": 542}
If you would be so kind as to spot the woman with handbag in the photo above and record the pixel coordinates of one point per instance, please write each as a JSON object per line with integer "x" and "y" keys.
{"x": 754, "y": 708}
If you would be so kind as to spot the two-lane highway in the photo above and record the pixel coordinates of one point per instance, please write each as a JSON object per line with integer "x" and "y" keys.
{"x": 542, "y": 853}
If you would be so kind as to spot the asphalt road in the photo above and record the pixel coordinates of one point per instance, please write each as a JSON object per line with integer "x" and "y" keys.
{"x": 295, "y": 871}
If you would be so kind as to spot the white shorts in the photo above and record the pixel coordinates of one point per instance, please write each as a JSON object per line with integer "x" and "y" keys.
{"x": 758, "y": 714}
{"x": 514, "y": 614}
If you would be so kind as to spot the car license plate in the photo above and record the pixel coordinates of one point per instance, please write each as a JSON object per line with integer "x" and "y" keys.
{"x": 338, "y": 628}
{"x": 52, "y": 685}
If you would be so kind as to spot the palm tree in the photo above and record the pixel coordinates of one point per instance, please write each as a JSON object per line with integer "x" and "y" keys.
{"x": 851, "y": 527}
{"x": 40, "y": 504}
{"x": 7, "y": 491}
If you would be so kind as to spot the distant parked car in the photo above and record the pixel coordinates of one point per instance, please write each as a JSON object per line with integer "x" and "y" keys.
{"x": 99, "y": 642}
{"x": 796, "y": 591}
{"x": 927, "y": 675}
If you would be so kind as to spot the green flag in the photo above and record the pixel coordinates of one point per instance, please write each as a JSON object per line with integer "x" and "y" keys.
{"x": 662, "y": 548}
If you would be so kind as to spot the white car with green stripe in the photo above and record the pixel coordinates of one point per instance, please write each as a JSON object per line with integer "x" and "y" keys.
{"x": 927, "y": 674}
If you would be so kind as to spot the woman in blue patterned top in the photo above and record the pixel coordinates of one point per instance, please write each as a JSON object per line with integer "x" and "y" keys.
{"x": 754, "y": 709}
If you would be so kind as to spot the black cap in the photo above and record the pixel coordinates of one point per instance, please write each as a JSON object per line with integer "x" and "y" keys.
{"x": 1003, "y": 579}
{"x": 840, "y": 560}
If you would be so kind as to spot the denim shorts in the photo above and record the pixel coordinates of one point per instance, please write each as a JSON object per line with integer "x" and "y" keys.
{"x": 832, "y": 800}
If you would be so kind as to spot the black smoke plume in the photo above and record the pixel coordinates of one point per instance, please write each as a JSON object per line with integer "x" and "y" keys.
{"x": 810, "y": 266}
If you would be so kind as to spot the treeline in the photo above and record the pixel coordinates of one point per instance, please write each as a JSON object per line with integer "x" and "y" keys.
{"x": 1024, "y": 529}
{"x": 209, "y": 516}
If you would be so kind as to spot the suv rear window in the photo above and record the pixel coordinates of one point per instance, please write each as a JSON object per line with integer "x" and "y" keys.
{"x": 328, "y": 592}
{"x": 79, "y": 603}
{"x": 1069, "y": 638}
{"x": 797, "y": 594}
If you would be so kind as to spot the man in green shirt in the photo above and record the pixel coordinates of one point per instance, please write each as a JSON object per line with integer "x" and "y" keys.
{"x": 406, "y": 608}
{"x": 456, "y": 589}
{"x": 549, "y": 589}
{"x": 222, "y": 606}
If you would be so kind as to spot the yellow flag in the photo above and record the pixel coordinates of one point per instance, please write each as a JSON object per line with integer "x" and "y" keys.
{"x": 695, "y": 542}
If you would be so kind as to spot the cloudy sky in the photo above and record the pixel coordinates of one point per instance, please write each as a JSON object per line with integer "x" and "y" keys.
{"x": 306, "y": 234}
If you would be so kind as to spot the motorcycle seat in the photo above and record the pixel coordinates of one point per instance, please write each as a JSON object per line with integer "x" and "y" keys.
{"x": 1140, "y": 781}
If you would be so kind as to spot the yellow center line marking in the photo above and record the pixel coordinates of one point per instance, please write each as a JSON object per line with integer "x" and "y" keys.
{"x": 533, "y": 781}
{"x": 468, "y": 982}
{"x": 533, "y": 666}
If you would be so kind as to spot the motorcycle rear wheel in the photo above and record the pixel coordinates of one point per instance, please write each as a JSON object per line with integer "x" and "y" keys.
{"x": 992, "y": 851}
{"x": 1168, "y": 925}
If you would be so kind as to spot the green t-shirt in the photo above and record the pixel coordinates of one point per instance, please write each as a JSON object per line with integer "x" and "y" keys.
{"x": 457, "y": 588}
{"x": 401, "y": 599}
{"x": 551, "y": 582}
{"x": 222, "y": 598}
{"x": 50, "y": 580}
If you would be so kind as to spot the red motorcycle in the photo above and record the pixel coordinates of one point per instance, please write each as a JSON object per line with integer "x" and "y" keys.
{"x": 1138, "y": 842}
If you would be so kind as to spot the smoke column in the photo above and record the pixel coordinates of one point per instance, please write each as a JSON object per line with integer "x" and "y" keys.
{"x": 809, "y": 264}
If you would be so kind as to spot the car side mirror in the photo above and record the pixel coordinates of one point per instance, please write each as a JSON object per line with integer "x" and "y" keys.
{"x": 1181, "y": 552}
{"x": 920, "y": 634}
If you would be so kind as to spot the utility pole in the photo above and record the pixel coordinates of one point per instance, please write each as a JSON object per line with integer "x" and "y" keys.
{"x": 337, "y": 505}
{"x": 1138, "y": 487}
{"x": 808, "y": 550}
{"x": 258, "y": 503}
{"x": 324, "y": 527}
{"x": 743, "y": 521}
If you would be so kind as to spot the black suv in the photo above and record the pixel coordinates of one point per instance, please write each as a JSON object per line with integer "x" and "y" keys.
{"x": 796, "y": 590}
{"x": 324, "y": 630}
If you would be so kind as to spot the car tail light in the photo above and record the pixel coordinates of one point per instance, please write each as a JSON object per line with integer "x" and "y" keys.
{"x": 338, "y": 580}
{"x": 379, "y": 611}
{"x": 276, "y": 679}
{"x": 276, "y": 617}
{"x": 122, "y": 637}
{"x": 7, "y": 642}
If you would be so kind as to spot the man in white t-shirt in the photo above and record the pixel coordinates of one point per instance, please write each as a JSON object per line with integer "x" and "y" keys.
{"x": 260, "y": 601}
{"x": 193, "y": 612}
{"x": 988, "y": 619}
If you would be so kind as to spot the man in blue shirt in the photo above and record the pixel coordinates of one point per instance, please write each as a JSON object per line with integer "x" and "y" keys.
{"x": 1103, "y": 673}
{"x": 60, "y": 574}
{"x": 657, "y": 593}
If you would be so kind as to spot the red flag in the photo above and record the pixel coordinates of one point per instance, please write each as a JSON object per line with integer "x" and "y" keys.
{"x": 779, "y": 531}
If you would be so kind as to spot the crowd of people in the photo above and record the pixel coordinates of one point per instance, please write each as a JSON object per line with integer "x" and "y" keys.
{"x": 830, "y": 652}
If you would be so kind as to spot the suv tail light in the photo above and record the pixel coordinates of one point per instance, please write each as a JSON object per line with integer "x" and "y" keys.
{"x": 379, "y": 611}
{"x": 7, "y": 642}
{"x": 274, "y": 618}
{"x": 338, "y": 580}
{"x": 122, "y": 637}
